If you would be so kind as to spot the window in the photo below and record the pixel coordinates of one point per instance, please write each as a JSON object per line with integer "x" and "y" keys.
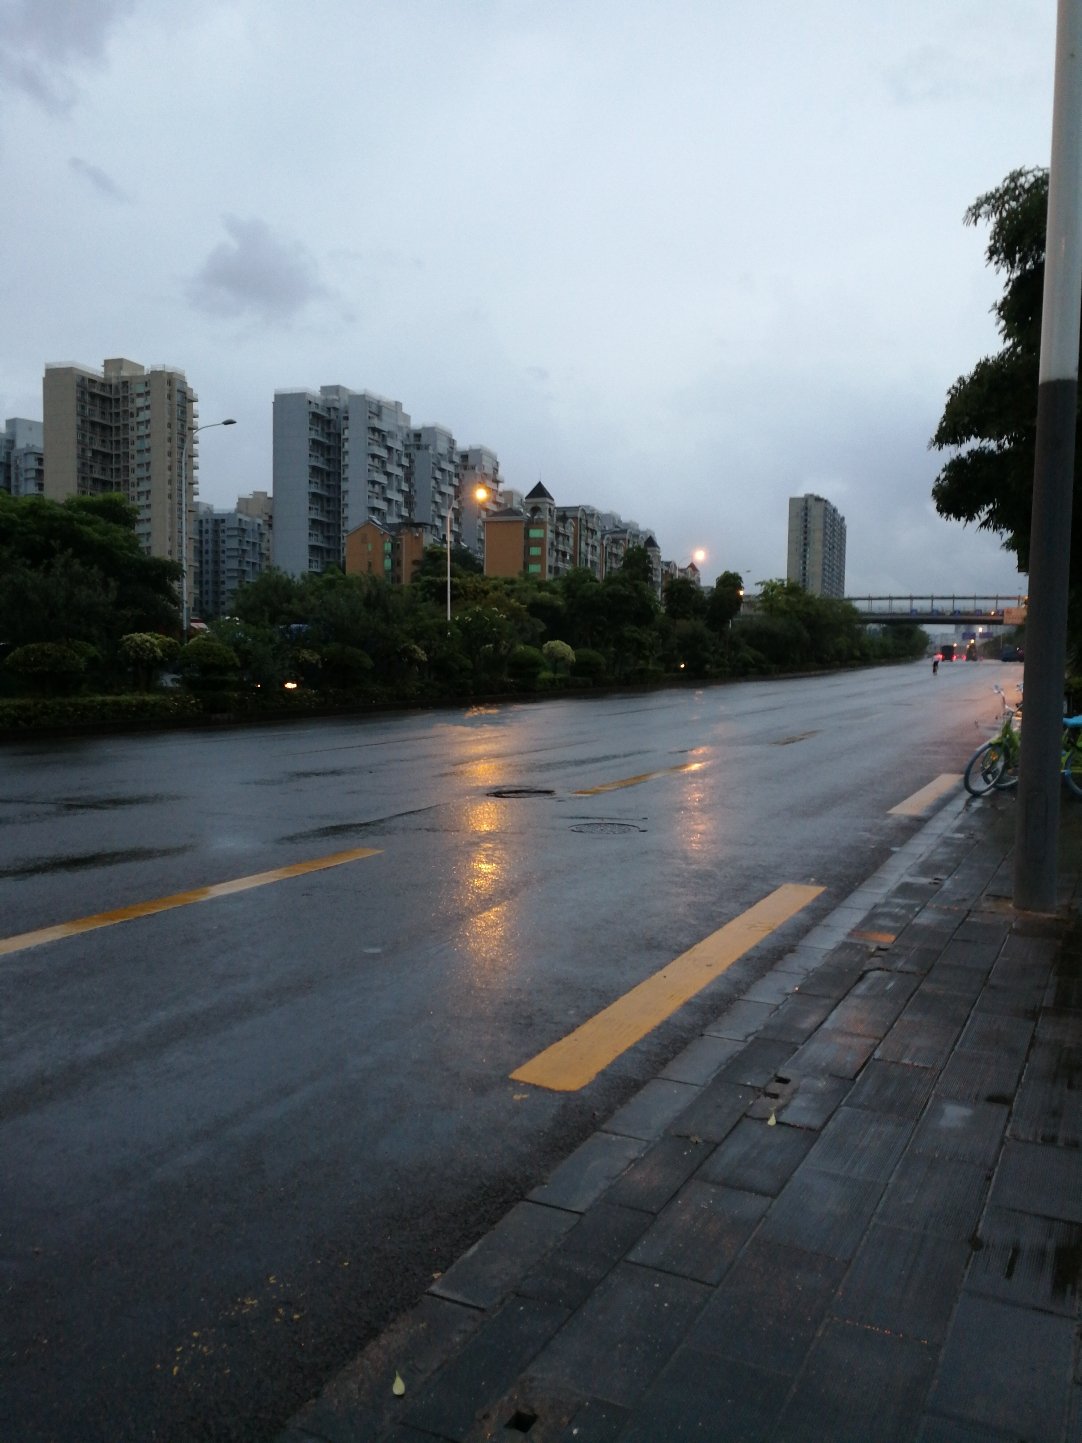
{"x": 535, "y": 551}
{"x": 534, "y": 566}
{"x": 536, "y": 531}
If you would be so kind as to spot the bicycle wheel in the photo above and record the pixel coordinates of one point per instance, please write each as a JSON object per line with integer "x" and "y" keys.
{"x": 1072, "y": 769}
{"x": 985, "y": 767}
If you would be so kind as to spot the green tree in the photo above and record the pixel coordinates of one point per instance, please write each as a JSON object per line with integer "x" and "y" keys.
{"x": 683, "y": 599}
{"x": 988, "y": 425}
{"x": 725, "y": 600}
{"x": 78, "y": 565}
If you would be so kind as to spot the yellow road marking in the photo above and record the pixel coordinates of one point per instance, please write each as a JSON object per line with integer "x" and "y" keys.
{"x": 636, "y": 781}
{"x": 577, "y": 1058}
{"x": 178, "y": 899}
{"x": 919, "y": 802}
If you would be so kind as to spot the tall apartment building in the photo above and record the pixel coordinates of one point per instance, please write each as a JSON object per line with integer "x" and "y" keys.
{"x": 230, "y": 549}
{"x": 343, "y": 459}
{"x": 340, "y": 459}
{"x": 129, "y": 430}
{"x": 260, "y": 506}
{"x": 22, "y": 451}
{"x": 816, "y": 546}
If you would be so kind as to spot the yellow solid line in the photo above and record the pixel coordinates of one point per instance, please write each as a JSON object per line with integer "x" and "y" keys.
{"x": 635, "y": 781}
{"x": 178, "y": 899}
{"x": 919, "y": 802}
{"x": 577, "y": 1058}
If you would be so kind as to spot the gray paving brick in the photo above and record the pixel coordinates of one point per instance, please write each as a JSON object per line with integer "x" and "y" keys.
{"x": 484, "y": 1369}
{"x": 833, "y": 1053}
{"x": 1010, "y": 1037}
{"x": 601, "y": 1237}
{"x": 936, "y": 1195}
{"x": 701, "y": 1060}
{"x": 584, "y": 1176}
{"x": 903, "y": 1282}
{"x": 815, "y": 1101}
{"x": 769, "y": 1306}
{"x": 1030, "y": 1261}
{"x": 741, "y": 1020}
{"x": 895, "y": 1088}
{"x": 773, "y": 987}
{"x": 697, "y": 1395}
{"x": 658, "y": 1175}
{"x": 822, "y": 1212}
{"x": 594, "y": 1422}
{"x": 894, "y": 1373}
{"x": 866, "y": 1016}
{"x": 918, "y": 1041}
{"x": 719, "y": 1108}
{"x": 1048, "y": 1107}
{"x": 756, "y": 1157}
{"x": 797, "y": 1018}
{"x": 962, "y": 1131}
{"x": 972, "y": 1076}
{"x": 757, "y": 1062}
{"x": 1006, "y": 1367}
{"x": 937, "y": 1429}
{"x": 484, "y": 1275}
{"x": 653, "y": 1107}
{"x": 621, "y": 1338}
{"x": 860, "y": 1144}
{"x": 1039, "y": 1178}
{"x": 701, "y": 1231}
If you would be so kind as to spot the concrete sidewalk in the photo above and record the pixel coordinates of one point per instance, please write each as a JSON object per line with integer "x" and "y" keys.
{"x": 850, "y": 1211}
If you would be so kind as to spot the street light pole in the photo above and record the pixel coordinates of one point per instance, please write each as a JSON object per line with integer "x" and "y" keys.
{"x": 185, "y": 585}
{"x": 1039, "y": 783}
{"x": 450, "y": 508}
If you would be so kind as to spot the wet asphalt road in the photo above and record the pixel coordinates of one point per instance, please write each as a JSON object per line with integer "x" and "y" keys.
{"x": 239, "y": 1136}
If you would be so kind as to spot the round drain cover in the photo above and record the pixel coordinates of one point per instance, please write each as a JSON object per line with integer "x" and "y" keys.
{"x": 522, "y": 792}
{"x": 607, "y": 827}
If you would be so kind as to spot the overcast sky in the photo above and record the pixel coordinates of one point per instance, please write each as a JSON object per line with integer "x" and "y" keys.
{"x": 681, "y": 259}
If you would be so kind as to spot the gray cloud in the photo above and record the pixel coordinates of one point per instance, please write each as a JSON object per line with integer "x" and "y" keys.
{"x": 102, "y": 182}
{"x": 44, "y": 42}
{"x": 256, "y": 273}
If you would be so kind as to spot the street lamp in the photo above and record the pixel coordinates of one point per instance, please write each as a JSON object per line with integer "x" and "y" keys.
{"x": 450, "y": 509}
{"x": 185, "y": 587}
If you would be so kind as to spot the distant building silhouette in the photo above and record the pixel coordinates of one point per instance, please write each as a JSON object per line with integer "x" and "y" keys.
{"x": 816, "y": 546}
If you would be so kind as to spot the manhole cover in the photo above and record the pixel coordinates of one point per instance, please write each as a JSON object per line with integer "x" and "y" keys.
{"x": 522, "y": 792}
{"x": 606, "y": 827}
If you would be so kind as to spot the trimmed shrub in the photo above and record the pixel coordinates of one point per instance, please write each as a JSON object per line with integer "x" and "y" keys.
{"x": 588, "y": 663}
{"x": 48, "y": 668}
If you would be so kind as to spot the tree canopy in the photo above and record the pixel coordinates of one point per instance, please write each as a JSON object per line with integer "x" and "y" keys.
{"x": 989, "y": 421}
{"x": 74, "y": 571}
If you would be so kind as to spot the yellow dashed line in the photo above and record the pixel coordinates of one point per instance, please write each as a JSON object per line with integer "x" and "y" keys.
{"x": 919, "y": 802}
{"x": 178, "y": 899}
{"x": 637, "y": 781}
{"x": 577, "y": 1058}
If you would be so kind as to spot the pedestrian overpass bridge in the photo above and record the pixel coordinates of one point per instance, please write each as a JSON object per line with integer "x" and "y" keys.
{"x": 942, "y": 610}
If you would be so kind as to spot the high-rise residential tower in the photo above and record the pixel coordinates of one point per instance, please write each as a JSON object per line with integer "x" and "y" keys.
{"x": 340, "y": 459}
{"x": 816, "y": 546}
{"x": 129, "y": 430}
{"x": 22, "y": 457}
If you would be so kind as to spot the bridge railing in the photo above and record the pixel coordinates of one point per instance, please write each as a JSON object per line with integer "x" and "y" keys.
{"x": 931, "y": 604}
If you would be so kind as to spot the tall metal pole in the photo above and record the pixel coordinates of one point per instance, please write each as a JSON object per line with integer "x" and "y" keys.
{"x": 1039, "y": 779}
{"x": 450, "y": 508}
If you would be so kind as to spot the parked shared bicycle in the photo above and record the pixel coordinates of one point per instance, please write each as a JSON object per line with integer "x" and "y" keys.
{"x": 994, "y": 765}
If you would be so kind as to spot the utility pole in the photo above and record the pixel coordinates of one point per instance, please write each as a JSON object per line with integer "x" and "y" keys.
{"x": 1039, "y": 781}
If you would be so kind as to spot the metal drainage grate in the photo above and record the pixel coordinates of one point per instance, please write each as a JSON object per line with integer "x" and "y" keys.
{"x": 523, "y": 792}
{"x": 606, "y": 827}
